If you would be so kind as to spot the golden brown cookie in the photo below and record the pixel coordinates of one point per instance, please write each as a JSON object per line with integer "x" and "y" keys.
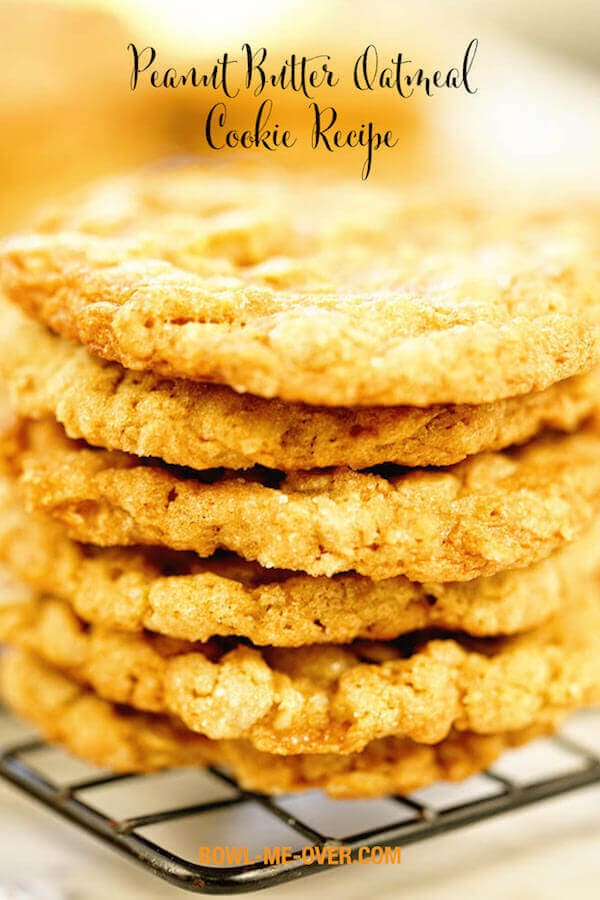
{"x": 327, "y": 699}
{"x": 387, "y": 766}
{"x": 127, "y": 741}
{"x": 203, "y": 426}
{"x": 492, "y": 512}
{"x": 313, "y": 290}
{"x": 182, "y": 596}
{"x": 119, "y": 739}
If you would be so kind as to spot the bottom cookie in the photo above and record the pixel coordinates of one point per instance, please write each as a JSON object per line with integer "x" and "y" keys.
{"x": 118, "y": 738}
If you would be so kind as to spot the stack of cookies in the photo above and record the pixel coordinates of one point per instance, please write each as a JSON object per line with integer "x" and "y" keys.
{"x": 300, "y": 478}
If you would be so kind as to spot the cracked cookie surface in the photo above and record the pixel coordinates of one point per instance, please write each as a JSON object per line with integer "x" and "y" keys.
{"x": 312, "y": 291}
{"x": 203, "y": 426}
{"x": 124, "y": 740}
{"x": 490, "y": 513}
{"x": 329, "y": 698}
{"x": 182, "y": 596}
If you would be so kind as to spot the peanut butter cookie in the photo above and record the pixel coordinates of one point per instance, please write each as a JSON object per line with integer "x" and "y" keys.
{"x": 205, "y": 426}
{"x": 490, "y": 513}
{"x": 128, "y": 741}
{"x": 312, "y": 290}
{"x": 180, "y": 595}
{"x": 329, "y": 698}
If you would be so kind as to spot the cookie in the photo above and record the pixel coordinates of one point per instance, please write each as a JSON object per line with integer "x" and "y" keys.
{"x": 329, "y": 698}
{"x": 205, "y": 426}
{"x": 128, "y": 741}
{"x": 180, "y": 595}
{"x": 492, "y": 512}
{"x": 387, "y": 766}
{"x": 303, "y": 288}
{"x": 121, "y": 740}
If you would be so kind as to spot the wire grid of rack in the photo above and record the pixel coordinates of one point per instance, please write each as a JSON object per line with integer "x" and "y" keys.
{"x": 161, "y": 820}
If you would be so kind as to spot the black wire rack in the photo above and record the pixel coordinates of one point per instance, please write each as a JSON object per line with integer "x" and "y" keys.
{"x": 162, "y": 820}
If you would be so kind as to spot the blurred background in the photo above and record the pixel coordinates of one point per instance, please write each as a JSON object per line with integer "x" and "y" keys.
{"x": 68, "y": 114}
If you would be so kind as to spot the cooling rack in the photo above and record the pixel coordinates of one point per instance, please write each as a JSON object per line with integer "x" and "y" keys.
{"x": 161, "y": 820}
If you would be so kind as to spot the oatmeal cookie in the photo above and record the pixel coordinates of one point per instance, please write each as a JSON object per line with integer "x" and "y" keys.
{"x": 329, "y": 698}
{"x": 124, "y": 740}
{"x": 205, "y": 426}
{"x": 310, "y": 290}
{"x": 180, "y": 595}
{"x": 490, "y": 513}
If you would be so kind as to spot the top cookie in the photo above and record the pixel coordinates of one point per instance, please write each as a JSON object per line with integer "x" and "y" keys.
{"x": 329, "y": 293}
